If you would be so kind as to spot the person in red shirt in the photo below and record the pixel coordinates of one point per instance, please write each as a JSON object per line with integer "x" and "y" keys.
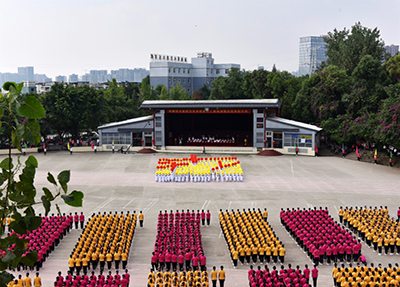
{"x": 76, "y": 220}
{"x": 208, "y": 217}
{"x": 82, "y": 219}
{"x": 314, "y": 274}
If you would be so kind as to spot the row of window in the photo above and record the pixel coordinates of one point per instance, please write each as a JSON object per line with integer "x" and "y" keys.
{"x": 187, "y": 71}
{"x": 184, "y": 80}
{"x": 117, "y": 138}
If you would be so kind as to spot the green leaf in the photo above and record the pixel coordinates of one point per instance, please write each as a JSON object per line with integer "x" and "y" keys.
{"x": 5, "y": 277}
{"x": 64, "y": 186}
{"x": 30, "y": 258}
{"x": 9, "y": 256}
{"x": 16, "y": 139}
{"x": 19, "y": 87}
{"x": 6, "y": 85}
{"x": 48, "y": 194}
{"x": 32, "y": 221}
{"x": 58, "y": 209}
{"x": 64, "y": 176}
{"x": 73, "y": 199}
{"x": 31, "y": 109}
{"x": 46, "y": 204}
{"x": 5, "y": 162}
{"x": 18, "y": 226}
{"x": 32, "y": 161}
{"x": 51, "y": 179}
{"x": 32, "y": 131}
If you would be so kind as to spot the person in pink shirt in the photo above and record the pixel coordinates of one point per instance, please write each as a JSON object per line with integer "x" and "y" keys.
{"x": 314, "y": 274}
{"x": 181, "y": 259}
{"x": 306, "y": 273}
{"x": 208, "y": 217}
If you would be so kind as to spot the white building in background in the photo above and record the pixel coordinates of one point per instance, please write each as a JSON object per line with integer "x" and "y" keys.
{"x": 171, "y": 70}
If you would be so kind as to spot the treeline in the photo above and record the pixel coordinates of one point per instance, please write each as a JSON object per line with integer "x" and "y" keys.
{"x": 354, "y": 96}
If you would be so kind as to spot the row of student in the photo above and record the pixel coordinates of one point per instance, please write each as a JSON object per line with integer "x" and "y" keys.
{"x": 186, "y": 279}
{"x": 249, "y": 237}
{"x": 93, "y": 281}
{"x": 283, "y": 277}
{"x": 178, "y": 241}
{"x": 44, "y": 239}
{"x": 26, "y": 282}
{"x": 366, "y": 276}
{"x": 320, "y": 236}
{"x": 374, "y": 226}
{"x": 106, "y": 239}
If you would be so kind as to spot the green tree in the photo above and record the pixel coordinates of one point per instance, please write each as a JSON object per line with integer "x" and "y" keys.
{"x": 255, "y": 85}
{"x": 164, "y": 93}
{"x": 196, "y": 96}
{"x": 346, "y": 48}
{"x": 179, "y": 93}
{"x": 205, "y": 92}
{"x": 217, "y": 89}
{"x": 146, "y": 92}
{"x": 392, "y": 67}
{"x": 18, "y": 193}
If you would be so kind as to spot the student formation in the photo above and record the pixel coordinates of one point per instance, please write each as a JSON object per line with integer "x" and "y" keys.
{"x": 179, "y": 259}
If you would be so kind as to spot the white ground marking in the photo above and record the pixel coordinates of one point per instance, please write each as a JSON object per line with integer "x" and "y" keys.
{"x": 129, "y": 202}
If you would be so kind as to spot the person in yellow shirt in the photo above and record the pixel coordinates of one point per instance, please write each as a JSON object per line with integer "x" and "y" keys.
{"x": 282, "y": 252}
{"x": 20, "y": 281}
{"x": 109, "y": 259}
{"x": 214, "y": 277}
{"x": 37, "y": 281}
{"x": 27, "y": 281}
{"x": 124, "y": 257}
{"x": 265, "y": 214}
{"x": 235, "y": 257}
{"x": 141, "y": 219}
{"x": 221, "y": 276}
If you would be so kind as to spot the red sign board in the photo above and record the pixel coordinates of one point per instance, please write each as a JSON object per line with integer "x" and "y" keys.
{"x": 211, "y": 111}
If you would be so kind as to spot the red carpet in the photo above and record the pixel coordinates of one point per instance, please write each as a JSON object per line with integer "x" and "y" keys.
{"x": 146, "y": 150}
{"x": 269, "y": 152}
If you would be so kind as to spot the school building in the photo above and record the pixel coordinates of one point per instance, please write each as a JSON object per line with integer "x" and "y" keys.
{"x": 237, "y": 125}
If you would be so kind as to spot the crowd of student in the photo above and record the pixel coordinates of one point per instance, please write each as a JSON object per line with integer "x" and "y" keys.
{"x": 26, "y": 282}
{"x": 288, "y": 277}
{"x": 364, "y": 276}
{"x": 174, "y": 279}
{"x": 196, "y": 169}
{"x": 320, "y": 236}
{"x": 210, "y": 139}
{"x": 374, "y": 226}
{"x": 93, "y": 281}
{"x": 106, "y": 238}
{"x": 178, "y": 242}
{"x": 250, "y": 238}
{"x": 44, "y": 239}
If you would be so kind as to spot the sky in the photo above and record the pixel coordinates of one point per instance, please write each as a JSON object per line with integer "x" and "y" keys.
{"x": 64, "y": 37}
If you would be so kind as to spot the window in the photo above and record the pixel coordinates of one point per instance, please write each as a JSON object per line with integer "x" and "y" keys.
{"x": 301, "y": 140}
{"x": 117, "y": 138}
{"x": 158, "y": 122}
{"x": 169, "y": 80}
{"x": 174, "y": 70}
{"x": 217, "y": 72}
{"x": 188, "y": 71}
{"x": 226, "y": 71}
{"x": 260, "y": 111}
{"x": 179, "y": 71}
{"x": 169, "y": 70}
{"x": 260, "y": 120}
{"x": 174, "y": 80}
{"x": 184, "y": 80}
{"x": 189, "y": 90}
{"x": 183, "y": 70}
{"x": 188, "y": 80}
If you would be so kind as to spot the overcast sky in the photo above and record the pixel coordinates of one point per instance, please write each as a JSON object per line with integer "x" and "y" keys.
{"x": 64, "y": 37}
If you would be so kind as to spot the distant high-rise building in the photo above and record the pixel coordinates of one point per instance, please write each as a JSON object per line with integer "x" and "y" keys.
{"x": 42, "y": 78}
{"x": 26, "y": 74}
{"x": 140, "y": 74}
{"x": 312, "y": 51}
{"x": 392, "y": 49}
{"x": 60, "y": 79}
{"x": 98, "y": 76}
{"x": 73, "y": 78}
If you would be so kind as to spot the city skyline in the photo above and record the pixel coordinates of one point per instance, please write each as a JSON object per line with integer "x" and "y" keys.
{"x": 74, "y": 37}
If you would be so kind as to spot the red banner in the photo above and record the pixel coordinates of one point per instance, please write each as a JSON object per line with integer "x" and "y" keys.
{"x": 213, "y": 111}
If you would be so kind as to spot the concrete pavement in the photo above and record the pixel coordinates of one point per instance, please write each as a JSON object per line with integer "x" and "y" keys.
{"x": 116, "y": 182}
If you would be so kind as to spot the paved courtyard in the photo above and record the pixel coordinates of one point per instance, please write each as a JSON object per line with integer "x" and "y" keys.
{"x": 116, "y": 182}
